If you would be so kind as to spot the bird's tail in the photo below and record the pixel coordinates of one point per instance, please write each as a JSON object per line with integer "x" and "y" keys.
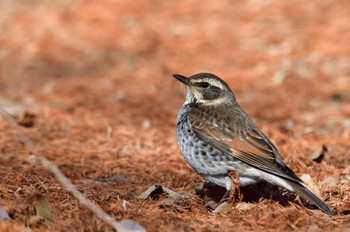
{"x": 311, "y": 197}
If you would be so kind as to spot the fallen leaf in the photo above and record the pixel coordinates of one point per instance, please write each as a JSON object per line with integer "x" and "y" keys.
{"x": 27, "y": 120}
{"x": 172, "y": 194}
{"x": 310, "y": 184}
{"x": 244, "y": 206}
{"x": 318, "y": 154}
{"x": 129, "y": 225}
{"x": 42, "y": 206}
{"x": 4, "y": 214}
{"x": 154, "y": 191}
{"x": 223, "y": 208}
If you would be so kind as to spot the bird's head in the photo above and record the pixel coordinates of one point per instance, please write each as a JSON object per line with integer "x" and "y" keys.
{"x": 205, "y": 88}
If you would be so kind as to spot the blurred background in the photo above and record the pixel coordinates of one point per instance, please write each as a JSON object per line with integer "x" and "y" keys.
{"x": 90, "y": 82}
{"x": 255, "y": 44}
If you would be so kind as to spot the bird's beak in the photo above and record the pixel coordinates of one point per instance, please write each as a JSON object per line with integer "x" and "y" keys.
{"x": 181, "y": 78}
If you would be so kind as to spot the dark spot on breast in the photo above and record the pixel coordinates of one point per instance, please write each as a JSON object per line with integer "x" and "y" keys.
{"x": 214, "y": 154}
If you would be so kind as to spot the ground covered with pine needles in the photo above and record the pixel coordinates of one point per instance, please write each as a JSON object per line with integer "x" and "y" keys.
{"x": 90, "y": 84}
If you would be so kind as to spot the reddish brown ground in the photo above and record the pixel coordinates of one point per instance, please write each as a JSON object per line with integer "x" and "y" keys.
{"x": 97, "y": 76}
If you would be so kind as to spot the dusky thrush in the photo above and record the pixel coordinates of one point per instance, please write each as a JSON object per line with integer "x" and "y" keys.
{"x": 217, "y": 137}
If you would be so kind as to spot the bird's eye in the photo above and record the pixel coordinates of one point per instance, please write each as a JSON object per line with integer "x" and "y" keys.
{"x": 204, "y": 84}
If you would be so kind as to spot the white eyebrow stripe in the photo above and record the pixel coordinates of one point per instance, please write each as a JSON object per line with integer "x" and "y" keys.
{"x": 211, "y": 82}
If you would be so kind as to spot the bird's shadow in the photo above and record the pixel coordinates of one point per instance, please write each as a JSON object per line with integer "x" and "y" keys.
{"x": 252, "y": 194}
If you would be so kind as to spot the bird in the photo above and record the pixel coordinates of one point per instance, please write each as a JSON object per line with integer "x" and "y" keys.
{"x": 216, "y": 137}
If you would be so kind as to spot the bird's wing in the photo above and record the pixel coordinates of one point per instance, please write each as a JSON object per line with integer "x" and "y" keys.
{"x": 233, "y": 132}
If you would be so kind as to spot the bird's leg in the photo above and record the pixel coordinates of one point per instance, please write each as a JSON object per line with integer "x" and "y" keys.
{"x": 229, "y": 195}
{"x": 232, "y": 179}
{"x": 225, "y": 197}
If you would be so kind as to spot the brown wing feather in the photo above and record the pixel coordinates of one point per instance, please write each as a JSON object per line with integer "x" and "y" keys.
{"x": 234, "y": 133}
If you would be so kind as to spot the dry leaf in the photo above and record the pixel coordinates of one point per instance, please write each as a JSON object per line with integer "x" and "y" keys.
{"x": 42, "y": 206}
{"x": 310, "y": 184}
{"x": 27, "y": 120}
{"x": 223, "y": 208}
{"x": 4, "y": 214}
{"x": 244, "y": 206}
{"x": 318, "y": 154}
{"x": 151, "y": 192}
{"x": 155, "y": 190}
{"x": 129, "y": 225}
